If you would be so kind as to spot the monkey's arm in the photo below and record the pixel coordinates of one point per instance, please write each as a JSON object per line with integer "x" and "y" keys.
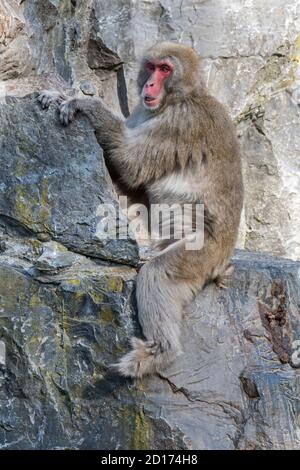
{"x": 108, "y": 127}
{"x": 136, "y": 159}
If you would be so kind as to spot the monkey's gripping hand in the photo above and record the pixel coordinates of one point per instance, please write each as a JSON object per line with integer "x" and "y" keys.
{"x": 47, "y": 97}
{"x": 67, "y": 107}
{"x": 67, "y": 110}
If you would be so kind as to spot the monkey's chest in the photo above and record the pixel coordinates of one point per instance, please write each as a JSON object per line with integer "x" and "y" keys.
{"x": 175, "y": 188}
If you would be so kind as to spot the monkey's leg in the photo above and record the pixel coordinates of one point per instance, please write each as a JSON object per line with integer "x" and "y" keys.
{"x": 162, "y": 293}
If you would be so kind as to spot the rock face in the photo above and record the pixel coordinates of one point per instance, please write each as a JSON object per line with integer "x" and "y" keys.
{"x": 235, "y": 387}
{"x": 251, "y": 60}
{"x": 67, "y": 304}
{"x": 54, "y": 181}
{"x": 57, "y": 336}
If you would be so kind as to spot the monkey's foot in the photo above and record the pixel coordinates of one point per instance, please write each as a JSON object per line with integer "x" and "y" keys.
{"x": 221, "y": 282}
{"x": 67, "y": 111}
{"x": 47, "y": 97}
{"x": 223, "y": 279}
{"x": 140, "y": 361}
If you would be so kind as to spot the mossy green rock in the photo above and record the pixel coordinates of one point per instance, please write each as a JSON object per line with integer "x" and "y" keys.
{"x": 236, "y": 386}
{"x": 53, "y": 180}
{"x": 54, "y": 392}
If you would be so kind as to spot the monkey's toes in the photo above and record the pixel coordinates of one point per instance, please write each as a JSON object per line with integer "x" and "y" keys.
{"x": 221, "y": 284}
{"x": 151, "y": 347}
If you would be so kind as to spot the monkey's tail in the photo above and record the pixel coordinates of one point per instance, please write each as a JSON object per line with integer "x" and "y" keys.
{"x": 159, "y": 301}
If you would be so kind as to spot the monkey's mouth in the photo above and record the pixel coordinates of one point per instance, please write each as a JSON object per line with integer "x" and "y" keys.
{"x": 150, "y": 98}
{"x": 151, "y": 101}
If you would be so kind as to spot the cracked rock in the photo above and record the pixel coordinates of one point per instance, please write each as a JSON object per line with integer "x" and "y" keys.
{"x": 60, "y": 330}
{"x": 55, "y": 257}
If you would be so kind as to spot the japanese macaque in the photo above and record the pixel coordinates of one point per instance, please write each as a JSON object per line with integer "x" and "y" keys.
{"x": 178, "y": 146}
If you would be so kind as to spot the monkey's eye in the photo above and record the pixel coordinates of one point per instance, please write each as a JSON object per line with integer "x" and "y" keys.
{"x": 150, "y": 67}
{"x": 165, "y": 68}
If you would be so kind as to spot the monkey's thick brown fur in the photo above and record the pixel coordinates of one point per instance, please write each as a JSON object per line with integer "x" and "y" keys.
{"x": 185, "y": 151}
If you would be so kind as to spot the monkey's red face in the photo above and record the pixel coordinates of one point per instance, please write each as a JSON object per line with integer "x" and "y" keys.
{"x": 153, "y": 90}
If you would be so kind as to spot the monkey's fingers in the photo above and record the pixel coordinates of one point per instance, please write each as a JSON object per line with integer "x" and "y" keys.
{"x": 47, "y": 97}
{"x": 45, "y": 101}
{"x": 67, "y": 112}
{"x": 64, "y": 113}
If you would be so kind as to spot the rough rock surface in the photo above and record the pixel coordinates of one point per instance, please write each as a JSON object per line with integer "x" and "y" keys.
{"x": 251, "y": 56}
{"x": 54, "y": 180}
{"x": 235, "y": 387}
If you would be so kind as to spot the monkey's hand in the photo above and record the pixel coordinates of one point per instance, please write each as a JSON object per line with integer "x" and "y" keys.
{"x": 47, "y": 97}
{"x": 67, "y": 111}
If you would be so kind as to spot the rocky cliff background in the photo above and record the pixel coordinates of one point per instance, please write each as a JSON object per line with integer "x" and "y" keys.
{"x": 251, "y": 53}
{"x": 67, "y": 303}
